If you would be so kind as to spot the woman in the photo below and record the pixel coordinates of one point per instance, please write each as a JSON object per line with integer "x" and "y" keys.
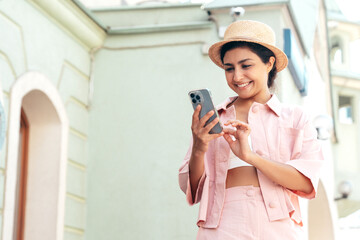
{"x": 249, "y": 177}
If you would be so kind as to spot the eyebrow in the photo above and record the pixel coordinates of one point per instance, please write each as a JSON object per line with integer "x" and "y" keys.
{"x": 239, "y": 62}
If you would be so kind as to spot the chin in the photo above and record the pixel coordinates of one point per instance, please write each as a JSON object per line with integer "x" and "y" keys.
{"x": 244, "y": 95}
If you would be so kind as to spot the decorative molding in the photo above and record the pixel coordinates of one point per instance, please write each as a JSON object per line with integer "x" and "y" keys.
{"x": 345, "y": 74}
{"x": 346, "y": 83}
{"x": 78, "y": 134}
{"x": 160, "y": 28}
{"x": 77, "y": 165}
{"x": 68, "y": 15}
{"x": 7, "y": 60}
{"x": 7, "y": 18}
{"x": 69, "y": 66}
{"x": 77, "y": 231}
{"x": 146, "y": 7}
{"x": 220, "y": 4}
{"x": 76, "y": 198}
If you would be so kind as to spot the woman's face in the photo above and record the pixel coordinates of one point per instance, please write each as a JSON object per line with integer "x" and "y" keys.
{"x": 246, "y": 74}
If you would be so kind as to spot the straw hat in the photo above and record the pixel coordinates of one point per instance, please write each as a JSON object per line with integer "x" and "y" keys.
{"x": 249, "y": 31}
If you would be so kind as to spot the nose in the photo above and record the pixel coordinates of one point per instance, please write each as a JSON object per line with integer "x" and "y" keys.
{"x": 238, "y": 75}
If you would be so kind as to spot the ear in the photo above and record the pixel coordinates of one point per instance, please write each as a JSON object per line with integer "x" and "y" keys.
{"x": 270, "y": 64}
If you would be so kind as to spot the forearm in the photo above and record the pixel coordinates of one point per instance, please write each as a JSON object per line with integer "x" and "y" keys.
{"x": 282, "y": 174}
{"x": 196, "y": 170}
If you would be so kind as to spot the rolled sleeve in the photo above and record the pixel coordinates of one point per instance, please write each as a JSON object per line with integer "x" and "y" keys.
{"x": 187, "y": 189}
{"x": 184, "y": 180}
{"x": 310, "y": 160}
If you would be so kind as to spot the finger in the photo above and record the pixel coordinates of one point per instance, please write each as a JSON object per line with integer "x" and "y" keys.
{"x": 227, "y": 123}
{"x": 216, "y": 135}
{"x": 230, "y": 122}
{"x": 229, "y": 131}
{"x": 211, "y": 125}
{"x": 228, "y": 139}
{"x": 240, "y": 125}
{"x": 238, "y": 122}
{"x": 196, "y": 113}
{"x": 205, "y": 118}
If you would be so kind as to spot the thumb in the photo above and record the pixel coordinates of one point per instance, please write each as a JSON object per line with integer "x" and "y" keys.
{"x": 228, "y": 139}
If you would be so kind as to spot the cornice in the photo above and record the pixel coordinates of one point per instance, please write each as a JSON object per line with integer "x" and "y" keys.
{"x": 74, "y": 20}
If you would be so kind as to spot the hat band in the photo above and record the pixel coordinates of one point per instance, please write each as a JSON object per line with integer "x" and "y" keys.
{"x": 247, "y": 39}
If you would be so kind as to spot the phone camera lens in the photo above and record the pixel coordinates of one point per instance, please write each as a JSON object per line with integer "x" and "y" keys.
{"x": 192, "y": 95}
{"x": 197, "y": 97}
{"x": 194, "y": 101}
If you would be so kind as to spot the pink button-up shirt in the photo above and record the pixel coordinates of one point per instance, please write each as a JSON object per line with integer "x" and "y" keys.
{"x": 278, "y": 132}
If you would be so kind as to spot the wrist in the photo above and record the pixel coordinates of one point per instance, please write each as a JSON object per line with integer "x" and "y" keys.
{"x": 199, "y": 148}
{"x": 198, "y": 153}
{"x": 252, "y": 158}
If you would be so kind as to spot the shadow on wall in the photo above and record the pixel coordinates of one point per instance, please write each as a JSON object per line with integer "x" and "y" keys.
{"x": 320, "y": 220}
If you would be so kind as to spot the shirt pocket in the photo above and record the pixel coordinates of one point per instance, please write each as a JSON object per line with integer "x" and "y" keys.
{"x": 290, "y": 143}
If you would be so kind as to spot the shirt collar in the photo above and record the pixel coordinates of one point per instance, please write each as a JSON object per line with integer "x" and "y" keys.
{"x": 273, "y": 103}
{"x": 223, "y": 105}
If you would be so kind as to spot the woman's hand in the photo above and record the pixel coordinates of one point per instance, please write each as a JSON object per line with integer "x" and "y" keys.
{"x": 239, "y": 146}
{"x": 201, "y": 139}
{"x": 200, "y": 132}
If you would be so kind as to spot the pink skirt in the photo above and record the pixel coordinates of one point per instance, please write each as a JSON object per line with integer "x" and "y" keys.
{"x": 244, "y": 217}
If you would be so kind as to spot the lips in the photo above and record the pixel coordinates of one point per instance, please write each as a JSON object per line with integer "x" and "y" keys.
{"x": 243, "y": 85}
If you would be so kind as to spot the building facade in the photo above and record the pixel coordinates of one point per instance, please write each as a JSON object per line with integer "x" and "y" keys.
{"x": 98, "y": 117}
{"x": 344, "y": 49}
{"x": 45, "y": 65}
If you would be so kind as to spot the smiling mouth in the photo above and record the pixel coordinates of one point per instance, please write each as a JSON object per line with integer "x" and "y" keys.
{"x": 243, "y": 85}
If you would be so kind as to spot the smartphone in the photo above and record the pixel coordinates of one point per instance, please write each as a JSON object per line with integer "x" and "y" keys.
{"x": 203, "y": 97}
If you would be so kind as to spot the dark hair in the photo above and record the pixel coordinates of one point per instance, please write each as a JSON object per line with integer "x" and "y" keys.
{"x": 263, "y": 53}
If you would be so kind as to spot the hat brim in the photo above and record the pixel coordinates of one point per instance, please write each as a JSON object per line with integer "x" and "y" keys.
{"x": 280, "y": 56}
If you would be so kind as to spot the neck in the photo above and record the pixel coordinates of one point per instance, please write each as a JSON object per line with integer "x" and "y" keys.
{"x": 249, "y": 101}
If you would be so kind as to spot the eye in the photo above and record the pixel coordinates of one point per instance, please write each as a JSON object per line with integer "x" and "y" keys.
{"x": 245, "y": 66}
{"x": 229, "y": 69}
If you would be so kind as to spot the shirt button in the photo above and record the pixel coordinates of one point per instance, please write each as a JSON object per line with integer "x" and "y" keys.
{"x": 255, "y": 109}
{"x": 272, "y": 204}
{"x": 250, "y": 193}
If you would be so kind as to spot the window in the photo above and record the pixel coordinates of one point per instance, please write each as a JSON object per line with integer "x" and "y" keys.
{"x": 346, "y": 110}
{"x": 296, "y": 65}
{"x": 336, "y": 53}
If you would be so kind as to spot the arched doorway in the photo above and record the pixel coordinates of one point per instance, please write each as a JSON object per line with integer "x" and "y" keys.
{"x": 43, "y": 204}
{"x": 19, "y": 222}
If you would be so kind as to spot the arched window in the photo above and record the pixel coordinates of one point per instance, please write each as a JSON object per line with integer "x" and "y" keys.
{"x": 336, "y": 53}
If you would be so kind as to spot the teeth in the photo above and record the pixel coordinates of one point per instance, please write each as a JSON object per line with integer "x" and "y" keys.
{"x": 243, "y": 85}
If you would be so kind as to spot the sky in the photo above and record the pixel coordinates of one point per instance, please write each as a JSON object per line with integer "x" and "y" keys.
{"x": 350, "y": 8}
